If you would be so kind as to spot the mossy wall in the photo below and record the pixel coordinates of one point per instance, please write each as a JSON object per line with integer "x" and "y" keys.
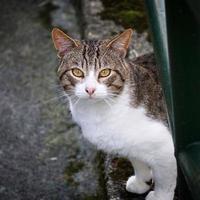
{"x": 128, "y": 13}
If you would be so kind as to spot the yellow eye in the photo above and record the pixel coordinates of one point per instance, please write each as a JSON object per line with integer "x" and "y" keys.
{"x": 77, "y": 72}
{"x": 104, "y": 72}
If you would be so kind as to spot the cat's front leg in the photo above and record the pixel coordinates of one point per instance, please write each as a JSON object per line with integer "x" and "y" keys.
{"x": 138, "y": 182}
{"x": 164, "y": 171}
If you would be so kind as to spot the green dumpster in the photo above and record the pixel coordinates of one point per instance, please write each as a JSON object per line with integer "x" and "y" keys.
{"x": 175, "y": 26}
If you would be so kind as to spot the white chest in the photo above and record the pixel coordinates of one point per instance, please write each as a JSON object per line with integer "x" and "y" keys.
{"x": 119, "y": 128}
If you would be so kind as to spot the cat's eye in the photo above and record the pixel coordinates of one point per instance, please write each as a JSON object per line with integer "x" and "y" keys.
{"x": 104, "y": 72}
{"x": 77, "y": 72}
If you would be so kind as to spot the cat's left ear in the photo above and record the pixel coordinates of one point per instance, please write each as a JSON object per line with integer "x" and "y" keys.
{"x": 120, "y": 43}
{"x": 63, "y": 42}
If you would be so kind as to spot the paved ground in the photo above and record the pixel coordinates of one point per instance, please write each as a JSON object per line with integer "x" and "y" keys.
{"x": 42, "y": 154}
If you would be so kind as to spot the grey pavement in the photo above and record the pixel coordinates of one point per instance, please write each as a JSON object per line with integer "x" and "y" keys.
{"x": 42, "y": 153}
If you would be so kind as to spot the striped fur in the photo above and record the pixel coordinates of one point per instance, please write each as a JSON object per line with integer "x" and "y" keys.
{"x": 93, "y": 56}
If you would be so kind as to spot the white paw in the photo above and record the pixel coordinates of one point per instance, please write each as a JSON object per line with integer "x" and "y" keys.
{"x": 151, "y": 196}
{"x": 154, "y": 196}
{"x": 136, "y": 186}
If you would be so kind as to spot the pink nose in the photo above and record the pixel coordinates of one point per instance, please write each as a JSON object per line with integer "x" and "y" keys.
{"x": 90, "y": 91}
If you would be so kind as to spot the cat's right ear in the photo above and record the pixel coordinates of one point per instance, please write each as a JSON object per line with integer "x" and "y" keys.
{"x": 62, "y": 41}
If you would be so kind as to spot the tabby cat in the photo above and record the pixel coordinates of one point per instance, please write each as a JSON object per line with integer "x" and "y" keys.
{"x": 120, "y": 108}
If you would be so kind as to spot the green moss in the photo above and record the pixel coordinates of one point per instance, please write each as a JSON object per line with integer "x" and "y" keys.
{"x": 128, "y": 13}
{"x": 73, "y": 168}
{"x": 102, "y": 193}
{"x": 118, "y": 172}
{"x": 70, "y": 170}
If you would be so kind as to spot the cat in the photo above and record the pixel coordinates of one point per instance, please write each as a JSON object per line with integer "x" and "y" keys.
{"x": 120, "y": 108}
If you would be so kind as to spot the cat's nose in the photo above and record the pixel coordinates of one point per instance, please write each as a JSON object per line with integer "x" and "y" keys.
{"x": 90, "y": 90}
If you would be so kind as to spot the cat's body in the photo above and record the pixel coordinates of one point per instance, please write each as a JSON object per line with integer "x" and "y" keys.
{"x": 120, "y": 108}
{"x": 128, "y": 108}
{"x": 114, "y": 131}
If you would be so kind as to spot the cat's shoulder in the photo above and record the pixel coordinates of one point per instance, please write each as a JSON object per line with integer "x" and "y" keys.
{"x": 146, "y": 64}
{"x": 147, "y": 85}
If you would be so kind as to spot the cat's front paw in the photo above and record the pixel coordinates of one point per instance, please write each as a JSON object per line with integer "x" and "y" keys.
{"x": 162, "y": 196}
{"x": 136, "y": 186}
{"x": 151, "y": 196}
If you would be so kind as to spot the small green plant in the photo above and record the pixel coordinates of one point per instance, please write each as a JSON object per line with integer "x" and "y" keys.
{"x": 128, "y": 13}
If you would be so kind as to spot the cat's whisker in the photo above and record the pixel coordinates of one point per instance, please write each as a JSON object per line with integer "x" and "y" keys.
{"x": 65, "y": 102}
{"x": 55, "y": 86}
{"x": 51, "y": 100}
{"x": 77, "y": 102}
{"x": 113, "y": 95}
{"x": 111, "y": 100}
{"x": 59, "y": 92}
{"x": 107, "y": 102}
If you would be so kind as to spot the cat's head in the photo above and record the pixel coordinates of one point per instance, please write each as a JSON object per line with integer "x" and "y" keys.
{"x": 92, "y": 69}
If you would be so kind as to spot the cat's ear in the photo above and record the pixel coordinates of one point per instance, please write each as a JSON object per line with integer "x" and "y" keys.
{"x": 62, "y": 41}
{"x": 120, "y": 43}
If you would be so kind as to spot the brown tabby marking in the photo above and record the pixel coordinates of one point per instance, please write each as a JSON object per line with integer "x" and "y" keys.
{"x": 91, "y": 57}
{"x": 147, "y": 90}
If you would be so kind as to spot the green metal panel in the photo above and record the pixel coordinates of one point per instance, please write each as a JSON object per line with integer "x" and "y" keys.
{"x": 190, "y": 163}
{"x": 184, "y": 52}
{"x": 157, "y": 26}
{"x": 179, "y": 62}
{"x": 183, "y": 30}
